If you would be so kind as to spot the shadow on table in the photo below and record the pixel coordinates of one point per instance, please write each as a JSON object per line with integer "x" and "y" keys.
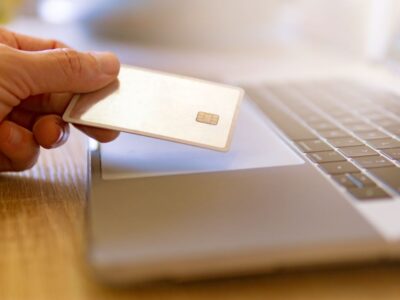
{"x": 359, "y": 281}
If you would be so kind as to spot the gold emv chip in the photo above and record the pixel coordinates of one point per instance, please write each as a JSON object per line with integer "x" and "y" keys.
{"x": 207, "y": 118}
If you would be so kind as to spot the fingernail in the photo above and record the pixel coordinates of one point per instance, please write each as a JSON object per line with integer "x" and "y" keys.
{"x": 60, "y": 137}
{"x": 108, "y": 62}
{"x": 15, "y": 136}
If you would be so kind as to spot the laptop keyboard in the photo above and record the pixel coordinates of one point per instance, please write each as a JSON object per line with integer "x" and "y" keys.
{"x": 350, "y": 131}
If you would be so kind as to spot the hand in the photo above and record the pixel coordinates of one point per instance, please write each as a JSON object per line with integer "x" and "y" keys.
{"x": 37, "y": 81}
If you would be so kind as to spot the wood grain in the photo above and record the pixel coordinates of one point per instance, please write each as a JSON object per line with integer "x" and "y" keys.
{"x": 42, "y": 249}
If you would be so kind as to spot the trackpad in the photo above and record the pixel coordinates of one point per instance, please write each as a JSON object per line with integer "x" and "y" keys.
{"x": 254, "y": 145}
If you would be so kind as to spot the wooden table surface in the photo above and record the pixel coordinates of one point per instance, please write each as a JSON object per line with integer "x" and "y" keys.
{"x": 42, "y": 249}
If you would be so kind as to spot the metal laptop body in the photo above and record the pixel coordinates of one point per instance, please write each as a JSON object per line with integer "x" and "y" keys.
{"x": 189, "y": 225}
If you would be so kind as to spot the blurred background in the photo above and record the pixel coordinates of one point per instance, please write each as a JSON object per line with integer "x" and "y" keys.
{"x": 356, "y": 28}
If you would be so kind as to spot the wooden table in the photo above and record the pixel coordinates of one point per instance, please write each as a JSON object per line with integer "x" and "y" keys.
{"x": 42, "y": 249}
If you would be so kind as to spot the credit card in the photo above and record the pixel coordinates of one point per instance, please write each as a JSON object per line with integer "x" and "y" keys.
{"x": 161, "y": 105}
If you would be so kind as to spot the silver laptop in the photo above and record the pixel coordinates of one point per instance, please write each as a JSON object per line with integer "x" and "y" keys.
{"x": 313, "y": 177}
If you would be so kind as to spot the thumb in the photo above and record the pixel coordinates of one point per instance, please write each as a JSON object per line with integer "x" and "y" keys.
{"x": 65, "y": 70}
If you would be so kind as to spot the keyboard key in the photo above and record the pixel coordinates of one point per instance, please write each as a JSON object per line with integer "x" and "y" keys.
{"x": 327, "y": 156}
{"x": 393, "y": 153}
{"x": 372, "y": 162}
{"x": 375, "y": 116}
{"x": 371, "y": 135}
{"x": 354, "y": 180}
{"x": 335, "y": 133}
{"x": 313, "y": 118}
{"x": 393, "y": 108}
{"x": 345, "y": 142}
{"x": 336, "y": 168}
{"x": 327, "y": 106}
{"x": 395, "y": 130}
{"x": 369, "y": 193}
{"x": 338, "y": 113}
{"x": 345, "y": 180}
{"x": 313, "y": 146}
{"x": 289, "y": 126}
{"x": 357, "y": 151}
{"x": 301, "y": 112}
{"x": 347, "y": 119}
{"x": 389, "y": 175}
{"x": 364, "y": 108}
{"x": 386, "y": 122}
{"x": 324, "y": 125}
{"x": 358, "y": 127}
{"x": 384, "y": 143}
{"x": 363, "y": 179}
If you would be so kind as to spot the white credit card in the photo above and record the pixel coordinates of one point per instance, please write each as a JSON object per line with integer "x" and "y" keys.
{"x": 161, "y": 105}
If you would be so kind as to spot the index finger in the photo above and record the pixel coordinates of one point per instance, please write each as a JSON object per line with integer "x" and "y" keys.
{"x": 26, "y": 42}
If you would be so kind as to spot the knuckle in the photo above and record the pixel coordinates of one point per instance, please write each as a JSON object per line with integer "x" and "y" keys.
{"x": 91, "y": 60}
{"x": 69, "y": 61}
{"x": 56, "y": 44}
{"x": 9, "y": 38}
{"x": 4, "y": 35}
{"x": 16, "y": 83}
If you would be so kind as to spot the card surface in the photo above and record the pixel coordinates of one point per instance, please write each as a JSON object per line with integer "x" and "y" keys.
{"x": 161, "y": 105}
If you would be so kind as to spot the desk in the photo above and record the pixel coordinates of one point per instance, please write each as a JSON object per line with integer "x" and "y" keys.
{"x": 42, "y": 249}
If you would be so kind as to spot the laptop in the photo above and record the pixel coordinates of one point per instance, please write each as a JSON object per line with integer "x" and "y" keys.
{"x": 312, "y": 178}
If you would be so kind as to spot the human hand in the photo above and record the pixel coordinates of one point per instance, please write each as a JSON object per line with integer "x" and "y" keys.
{"x": 37, "y": 81}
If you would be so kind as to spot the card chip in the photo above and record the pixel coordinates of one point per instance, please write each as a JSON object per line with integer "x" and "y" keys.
{"x": 207, "y": 118}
